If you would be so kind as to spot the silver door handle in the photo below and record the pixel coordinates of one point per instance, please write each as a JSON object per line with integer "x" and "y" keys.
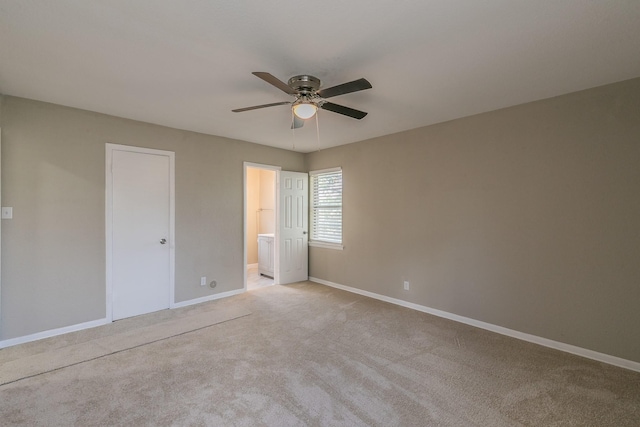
{"x": 163, "y": 241}
{"x": 304, "y": 232}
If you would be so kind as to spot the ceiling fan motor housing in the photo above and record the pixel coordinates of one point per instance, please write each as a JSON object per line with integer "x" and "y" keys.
{"x": 304, "y": 84}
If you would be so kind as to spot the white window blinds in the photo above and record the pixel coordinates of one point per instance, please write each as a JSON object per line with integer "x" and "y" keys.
{"x": 326, "y": 206}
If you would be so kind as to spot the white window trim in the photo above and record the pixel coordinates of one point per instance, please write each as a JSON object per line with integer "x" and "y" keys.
{"x": 321, "y": 244}
{"x": 319, "y": 171}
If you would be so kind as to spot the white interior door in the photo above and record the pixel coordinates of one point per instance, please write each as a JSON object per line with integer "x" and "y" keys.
{"x": 141, "y": 273}
{"x": 293, "y": 221}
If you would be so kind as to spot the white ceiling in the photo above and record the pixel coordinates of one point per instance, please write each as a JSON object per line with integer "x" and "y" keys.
{"x": 187, "y": 64}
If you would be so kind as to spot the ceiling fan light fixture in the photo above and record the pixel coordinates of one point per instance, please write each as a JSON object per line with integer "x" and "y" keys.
{"x": 305, "y": 110}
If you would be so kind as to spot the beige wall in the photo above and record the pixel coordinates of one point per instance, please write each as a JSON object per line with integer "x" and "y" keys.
{"x": 53, "y": 251}
{"x": 260, "y": 208}
{"x": 526, "y": 217}
{"x": 253, "y": 204}
{"x": 267, "y": 201}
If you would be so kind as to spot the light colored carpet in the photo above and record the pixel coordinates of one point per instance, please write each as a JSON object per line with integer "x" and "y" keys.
{"x": 317, "y": 356}
{"x": 113, "y": 340}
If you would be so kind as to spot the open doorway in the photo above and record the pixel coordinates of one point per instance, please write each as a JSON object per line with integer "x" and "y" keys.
{"x": 260, "y": 225}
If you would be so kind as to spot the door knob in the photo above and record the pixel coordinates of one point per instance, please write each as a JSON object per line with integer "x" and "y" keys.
{"x": 163, "y": 241}
{"x": 304, "y": 232}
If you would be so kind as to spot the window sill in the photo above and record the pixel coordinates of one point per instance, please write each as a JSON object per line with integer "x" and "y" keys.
{"x": 327, "y": 245}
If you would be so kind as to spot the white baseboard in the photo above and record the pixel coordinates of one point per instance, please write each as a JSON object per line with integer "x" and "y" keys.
{"x": 579, "y": 351}
{"x": 207, "y": 298}
{"x": 53, "y": 332}
{"x": 92, "y": 324}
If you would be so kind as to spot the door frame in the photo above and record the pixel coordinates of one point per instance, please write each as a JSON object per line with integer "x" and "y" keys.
{"x": 276, "y": 240}
{"x": 109, "y": 149}
{"x": 0, "y": 232}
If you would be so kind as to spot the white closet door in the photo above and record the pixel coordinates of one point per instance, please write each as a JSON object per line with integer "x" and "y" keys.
{"x": 141, "y": 273}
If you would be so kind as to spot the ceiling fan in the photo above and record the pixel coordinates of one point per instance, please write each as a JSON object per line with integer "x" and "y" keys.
{"x": 309, "y": 97}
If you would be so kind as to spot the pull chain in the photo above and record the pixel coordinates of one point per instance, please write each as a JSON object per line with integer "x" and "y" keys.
{"x": 318, "y": 129}
{"x": 293, "y": 130}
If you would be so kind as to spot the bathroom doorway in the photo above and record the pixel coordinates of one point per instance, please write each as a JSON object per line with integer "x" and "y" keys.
{"x": 260, "y": 225}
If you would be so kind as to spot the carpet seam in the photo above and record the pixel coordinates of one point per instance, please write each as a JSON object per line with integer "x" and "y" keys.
{"x": 121, "y": 351}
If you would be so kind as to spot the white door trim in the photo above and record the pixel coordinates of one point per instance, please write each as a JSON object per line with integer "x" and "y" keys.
{"x": 0, "y": 233}
{"x": 109, "y": 149}
{"x": 277, "y": 169}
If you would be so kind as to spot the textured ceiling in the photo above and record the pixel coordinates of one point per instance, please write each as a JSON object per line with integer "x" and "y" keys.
{"x": 187, "y": 64}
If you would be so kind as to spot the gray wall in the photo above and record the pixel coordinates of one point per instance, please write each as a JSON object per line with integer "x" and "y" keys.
{"x": 53, "y": 174}
{"x": 526, "y": 217}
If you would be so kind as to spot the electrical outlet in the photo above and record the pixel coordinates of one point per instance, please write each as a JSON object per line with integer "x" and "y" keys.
{"x": 406, "y": 285}
{"x": 7, "y": 213}
{"x": 203, "y": 281}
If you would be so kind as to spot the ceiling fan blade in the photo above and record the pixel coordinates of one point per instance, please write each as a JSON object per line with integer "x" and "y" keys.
{"x": 354, "y": 86}
{"x": 341, "y": 109}
{"x": 275, "y": 82}
{"x": 255, "y": 107}
{"x": 297, "y": 122}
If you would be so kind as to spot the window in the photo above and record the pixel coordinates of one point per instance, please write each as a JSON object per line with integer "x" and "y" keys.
{"x": 326, "y": 208}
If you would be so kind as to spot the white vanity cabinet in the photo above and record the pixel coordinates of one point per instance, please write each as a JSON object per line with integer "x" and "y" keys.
{"x": 265, "y": 254}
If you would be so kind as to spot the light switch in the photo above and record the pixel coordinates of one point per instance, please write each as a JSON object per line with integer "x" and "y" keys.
{"x": 7, "y": 213}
